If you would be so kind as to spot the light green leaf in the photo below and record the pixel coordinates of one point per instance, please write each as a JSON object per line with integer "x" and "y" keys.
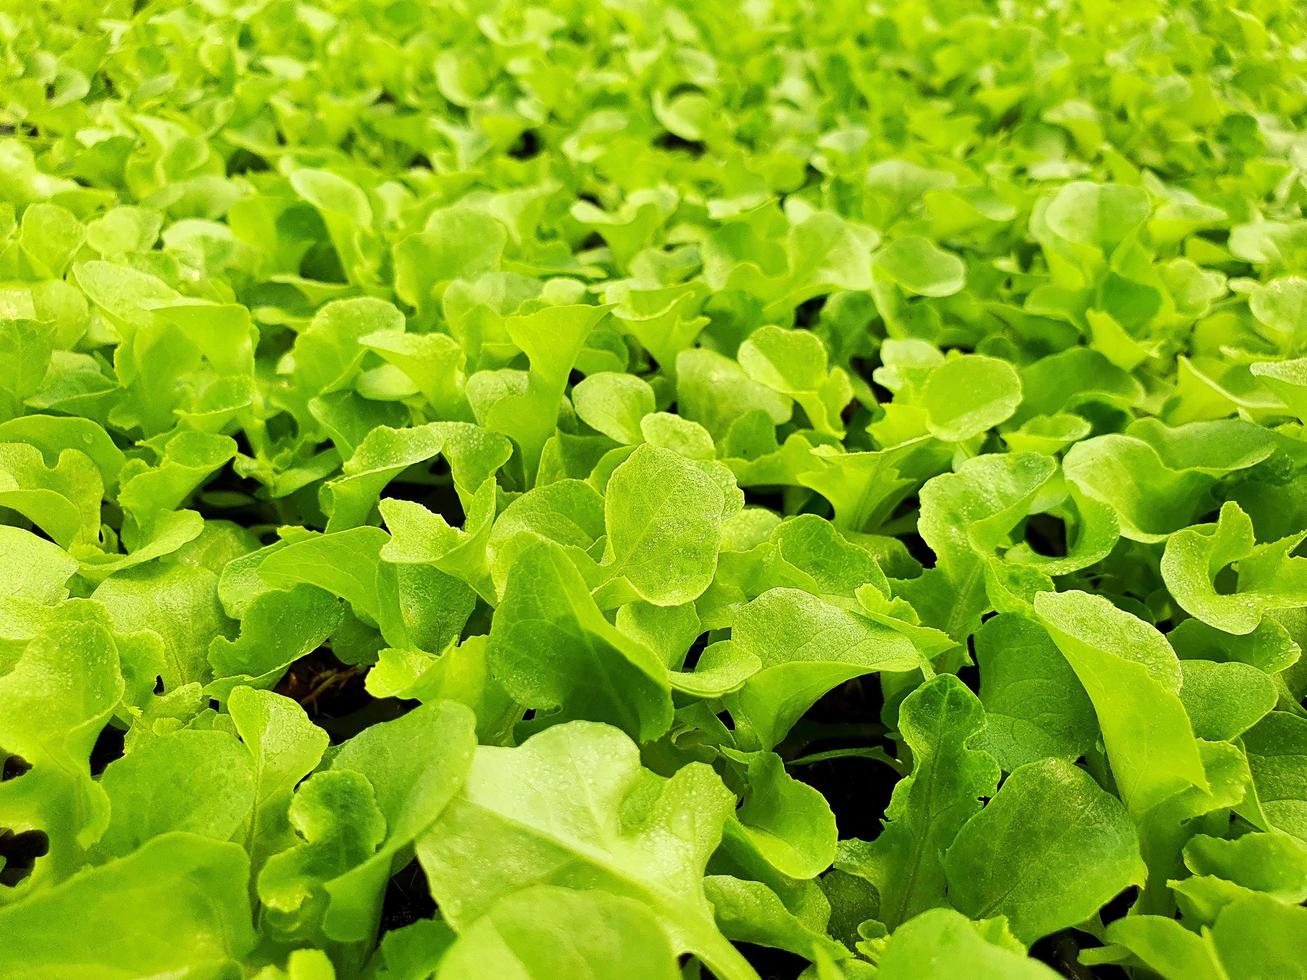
{"x": 663, "y": 516}
{"x": 806, "y": 647}
{"x": 284, "y": 747}
{"x": 1224, "y": 700}
{"x": 1035, "y": 708}
{"x": 1096, "y": 214}
{"x": 787, "y": 822}
{"x": 939, "y": 722}
{"x": 941, "y": 943}
{"x": 1132, "y": 676}
{"x": 1277, "y": 748}
{"x": 1046, "y": 852}
{"x": 918, "y": 265}
{"x": 175, "y": 906}
{"x": 551, "y": 647}
{"x": 35, "y": 568}
{"x": 519, "y": 822}
{"x": 614, "y": 404}
{"x": 967, "y": 395}
{"x": 201, "y": 782}
{"x": 533, "y": 933}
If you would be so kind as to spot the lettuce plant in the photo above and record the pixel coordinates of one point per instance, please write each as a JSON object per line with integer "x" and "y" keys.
{"x": 653, "y": 489}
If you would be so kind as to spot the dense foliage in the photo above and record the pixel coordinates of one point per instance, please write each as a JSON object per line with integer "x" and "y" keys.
{"x": 630, "y": 488}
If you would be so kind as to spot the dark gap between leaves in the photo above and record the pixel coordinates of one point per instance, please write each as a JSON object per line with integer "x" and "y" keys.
{"x": 320, "y": 262}
{"x": 334, "y": 697}
{"x": 772, "y": 964}
{"x": 916, "y": 547}
{"x": 407, "y": 899}
{"x": 19, "y": 853}
{"x": 1119, "y": 906}
{"x": 14, "y": 766}
{"x": 768, "y": 496}
{"x": 527, "y": 145}
{"x": 674, "y": 143}
{"x": 108, "y": 747}
{"x": 1061, "y": 951}
{"x": 807, "y": 312}
{"x": 438, "y": 496}
{"x": 857, "y": 788}
{"x": 969, "y": 674}
{"x": 1046, "y": 535}
{"x": 244, "y": 161}
{"x": 693, "y": 654}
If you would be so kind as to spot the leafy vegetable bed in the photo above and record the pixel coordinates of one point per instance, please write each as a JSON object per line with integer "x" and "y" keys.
{"x": 647, "y": 489}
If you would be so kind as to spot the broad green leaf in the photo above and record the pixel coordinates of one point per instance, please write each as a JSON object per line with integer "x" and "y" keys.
{"x": 62, "y": 499}
{"x": 918, "y": 265}
{"x": 614, "y": 404}
{"x": 347, "y": 214}
{"x": 472, "y": 453}
{"x": 382, "y": 790}
{"x": 519, "y": 822}
{"x": 1280, "y": 306}
{"x": 551, "y": 647}
{"x": 787, "y": 822}
{"x": 1274, "y": 863}
{"x": 36, "y": 569}
{"x": 794, "y": 363}
{"x": 26, "y": 347}
{"x": 1268, "y": 578}
{"x": 1167, "y": 947}
{"x": 567, "y": 512}
{"x": 1224, "y": 700}
{"x": 414, "y": 950}
{"x": 1156, "y": 479}
{"x": 200, "y": 782}
{"x": 551, "y": 339}
{"x": 327, "y": 353}
{"x": 277, "y": 629}
{"x": 862, "y": 487}
{"x": 1276, "y": 747}
{"x": 941, "y": 942}
{"x": 715, "y": 392}
{"x": 1096, "y": 214}
{"x": 967, "y": 395}
{"x": 187, "y": 460}
{"x": 966, "y": 517}
{"x": 64, "y": 686}
{"x": 662, "y": 515}
{"x": 749, "y": 911}
{"x": 336, "y": 815}
{"x": 939, "y": 722}
{"x": 1035, "y": 708}
{"x": 1262, "y": 937}
{"x": 457, "y": 243}
{"x": 285, "y": 747}
{"x": 1045, "y": 853}
{"x": 806, "y": 647}
{"x": 1164, "y": 830}
{"x": 344, "y": 564}
{"x": 1132, "y": 677}
{"x": 175, "y": 906}
{"x": 532, "y": 933}
{"x": 178, "y": 600}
